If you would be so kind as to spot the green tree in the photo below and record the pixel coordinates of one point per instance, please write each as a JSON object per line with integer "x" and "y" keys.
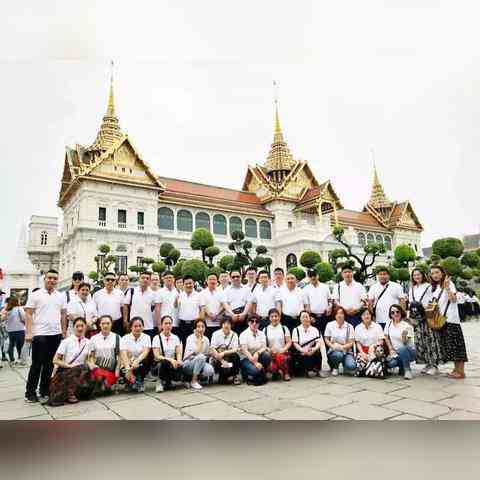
{"x": 298, "y": 272}
{"x": 447, "y": 247}
{"x": 211, "y": 253}
{"x": 226, "y": 262}
{"x": 196, "y": 269}
{"x": 309, "y": 259}
{"x": 216, "y": 270}
{"x": 177, "y": 269}
{"x": 159, "y": 267}
{"x": 165, "y": 249}
{"x": 325, "y": 271}
{"x": 404, "y": 254}
{"x": 452, "y": 266}
{"x": 201, "y": 240}
{"x": 471, "y": 259}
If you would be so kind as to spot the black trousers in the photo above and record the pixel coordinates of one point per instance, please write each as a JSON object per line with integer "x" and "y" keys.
{"x": 290, "y": 322}
{"x": 303, "y": 364}
{"x": 148, "y": 362}
{"x": 168, "y": 374}
{"x": 15, "y": 340}
{"x": 185, "y": 328}
{"x": 225, "y": 373}
{"x": 43, "y": 351}
{"x": 118, "y": 328}
{"x": 320, "y": 322}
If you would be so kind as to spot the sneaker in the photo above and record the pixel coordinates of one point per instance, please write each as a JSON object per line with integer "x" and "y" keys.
{"x": 43, "y": 399}
{"x": 196, "y": 386}
{"x": 334, "y": 372}
{"x": 159, "y": 387}
{"x": 140, "y": 387}
{"x": 425, "y": 369}
{"x": 408, "y": 375}
{"x": 433, "y": 371}
{"x": 324, "y": 373}
{"x": 150, "y": 378}
{"x": 31, "y": 399}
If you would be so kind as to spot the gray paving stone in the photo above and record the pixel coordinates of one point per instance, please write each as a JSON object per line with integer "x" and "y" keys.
{"x": 370, "y": 398}
{"x": 380, "y": 386}
{"x": 322, "y": 401}
{"x": 426, "y": 394}
{"x": 17, "y": 409}
{"x": 214, "y": 411}
{"x": 337, "y": 389}
{"x": 264, "y": 405}
{"x": 460, "y": 415}
{"x": 143, "y": 408}
{"x": 93, "y": 415}
{"x": 180, "y": 401}
{"x": 236, "y": 394}
{"x": 465, "y": 390}
{"x": 38, "y": 417}
{"x": 299, "y": 413}
{"x": 418, "y": 407}
{"x": 80, "y": 408}
{"x": 408, "y": 417}
{"x": 461, "y": 402}
{"x": 363, "y": 411}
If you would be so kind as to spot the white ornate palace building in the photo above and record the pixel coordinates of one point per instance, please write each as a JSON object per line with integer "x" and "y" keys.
{"x": 109, "y": 194}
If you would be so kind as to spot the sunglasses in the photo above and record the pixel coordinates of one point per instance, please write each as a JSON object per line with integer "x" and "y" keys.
{"x": 396, "y": 311}
{"x": 236, "y": 276}
{"x": 109, "y": 279}
{"x": 253, "y": 321}
{"x": 77, "y": 278}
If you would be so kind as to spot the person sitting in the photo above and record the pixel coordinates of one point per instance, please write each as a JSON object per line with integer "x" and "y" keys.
{"x": 104, "y": 360}
{"x": 399, "y": 339}
{"x": 307, "y": 344}
{"x": 279, "y": 342}
{"x": 195, "y": 363}
{"x": 339, "y": 338}
{"x": 71, "y": 379}
{"x": 368, "y": 335}
{"x": 167, "y": 350}
{"x": 134, "y": 350}
{"x": 254, "y": 356}
{"x": 224, "y": 353}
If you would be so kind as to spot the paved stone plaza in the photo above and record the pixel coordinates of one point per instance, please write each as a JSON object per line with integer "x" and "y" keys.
{"x": 340, "y": 398}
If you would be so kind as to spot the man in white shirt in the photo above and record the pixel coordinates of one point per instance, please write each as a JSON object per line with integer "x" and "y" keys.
{"x": 383, "y": 294}
{"x": 316, "y": 297}
{"x": 142, "y": 302}
{"x": 167, "y": 297}
{"x": 289, "y": 302}
{"x": 211, "y": 304}
{"x": 109, "y": 302}
{"x": 236, "y": 302}
{"x": 278, "y": 278}
{"x": 224, "y": 281}
{"x": 123, "y": 282}
{"x": 46, "y": 325}
{"x": 351, "y": 295}
{"x": 263, "y": 298}
{"x": 251, "y": 275}
{"x": 83, "y": 306}
{"x": 188, "y": 304}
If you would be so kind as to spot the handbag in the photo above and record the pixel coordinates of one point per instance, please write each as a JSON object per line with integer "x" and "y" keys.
{"x": 416, "y": 309}
{"x": 435, "y": 319}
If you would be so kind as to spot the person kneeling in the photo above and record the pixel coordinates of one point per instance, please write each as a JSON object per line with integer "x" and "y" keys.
{"x": 224, "y": 353}
{"x": 195, "y": 363}
{"x": 254, "y": 359}
{"x": 279, "y": 342}
{"x": 167, "y": 351}
{"x": 72, "y": 378}
{"x": 307, "y": 343}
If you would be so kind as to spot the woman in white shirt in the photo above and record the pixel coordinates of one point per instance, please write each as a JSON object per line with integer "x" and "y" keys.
{"x": 368, "y": 334}
{"x": 399, "y": 339}
{"x": 13, "y": 318}
{"x": 167, "y": 350}
{"x": 82, "y": 305}
{"x": 307, "y": 343}
{"x": 428, "y": 342}
{"x": 134, "y": 350}
{"x": 443, "y": 292}
{"x": 254, "y": 356}
{"x": 72, "y": 378}
{"x": 279, "y": 342}
{"x": 195, "y": 357}
{"x": 339, "y": 338}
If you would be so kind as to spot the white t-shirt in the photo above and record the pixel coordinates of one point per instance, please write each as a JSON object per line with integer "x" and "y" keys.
{"x": 188, "y": 306}
{"x": 142, "y": 305}
{"x": 394, "y": 333}
{"x": 368, "y": 336}
{"x": 109, "y": 303}
{"x": 79, "y": 308}
{"x": 291, "y": 300}
{"x": 252, "y": 342}
{"x": 392, "y": 296}
{"x": 104, "y": 350}
{"x": 302, "y": 336}
{"x": 236, "y": 297}
{"x": 191, "y": 345}
{"x": 316, "y": 297}
{"x": 264, "y": 299}
{"x": 47, "y": 311}
{"x": 135, "y": 346}
{"x": 276, "y": 336}
{"x": 349, "y": 296}
{"x": 230, "y": 342}
{"x": 452, "y": 312}
{"x": 418, "y": 292}
{"x": 167, "y": 298}
{"x": 212, "y": 301}
{"x": 337, "y": 334}
{"x": 74, "y": 350}
{"x": 169, "y": 344}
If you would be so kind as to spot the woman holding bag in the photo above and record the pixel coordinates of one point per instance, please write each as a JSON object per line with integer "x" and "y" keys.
{"x": 444, "y": 294}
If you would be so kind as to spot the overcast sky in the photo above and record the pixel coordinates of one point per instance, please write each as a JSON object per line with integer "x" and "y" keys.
{"x": 193, "y": 85}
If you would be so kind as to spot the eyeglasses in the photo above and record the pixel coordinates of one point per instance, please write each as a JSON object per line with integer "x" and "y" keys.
{"x": 77, "y": 278}
{"x": 109, "y": 279}
{"x": 253, "y": 321}
{"x": 395, "y": 312}
{"x": 236, "y": 276}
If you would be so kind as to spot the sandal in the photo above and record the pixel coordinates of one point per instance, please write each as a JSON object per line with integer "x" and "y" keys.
{"x": 72, "y": 399}
{"x": 237, "y": 381}
{"x": 287, "y": 377}
{"x": 456, "y": 375}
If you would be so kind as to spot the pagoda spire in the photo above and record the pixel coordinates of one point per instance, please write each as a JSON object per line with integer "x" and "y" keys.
{"x": 378, "y": 199}
{"x": 110, "y": 131}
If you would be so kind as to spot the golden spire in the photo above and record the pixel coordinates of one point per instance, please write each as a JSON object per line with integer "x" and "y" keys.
{"x": 279, "y": 160}
{"x": 378, "y": 199}
{"x": 109, "y": 132}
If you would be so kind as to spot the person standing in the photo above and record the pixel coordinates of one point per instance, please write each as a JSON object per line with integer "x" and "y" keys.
{"x": 278, "y": 278}
{"x": 13, "y": 317}
{"x": 236, "y": 302}
{"x": 188, "y": 304}
{"x": 45, "y": 326}
{"x": 316, "y": 298}
{"x": 72, "y": 293}
{"x": 383, "y": 294}
{"x": 444, "y": 293}
{"x": 289, "y": 302}
{"x": 155, "y": 282}
{"x": 251, "y": 275}
{"x": 83, "y": 306}
{"x": 350, "y": 295}
{"x": 167, "y": 297}
{"x": 224, "y": 281}
{"x": 211, "y": 305}
{"x": 263, "y": 298}
{"x": 109, "y": 302}
{"x": 123, "y": 282}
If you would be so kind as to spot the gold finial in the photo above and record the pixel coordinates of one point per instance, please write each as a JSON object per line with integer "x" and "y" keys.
{"x": 378, "y": 199}
{"x": 111, "y": 104}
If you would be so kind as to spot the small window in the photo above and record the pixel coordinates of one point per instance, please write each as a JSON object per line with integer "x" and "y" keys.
{"x": 165, "y": 218}
{"x": 141, "y": 218}
{"x": 139, "y": 261}
{"x": 370, "y": 238}
{"x": 202, "y": 220}
{"x": 120, "y": 265}
{"x": 291, "y": 260}
{"x": 184, "y": 221}
{"x": 290, "y": 225}
{"x": 122, "y": 219}
{"x": 235, "y": 225}
{"x": 379, "y": 239}
{"x": 361, "y": 239}
{"x": 388, "y": 243}
{"x": 102, "y": 214}
{"x": 43, "y": 238}
{"x": 219, "y": 224}
{"x": 251, "y": 228}
{"x": 265, "y": 230}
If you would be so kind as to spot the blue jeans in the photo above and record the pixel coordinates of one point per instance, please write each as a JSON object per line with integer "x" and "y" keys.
{"x": 198, "y": 366}
{"x": 251, "y": 372}
{"x": 337, "y": 358}
{"x": 406, "y": 354}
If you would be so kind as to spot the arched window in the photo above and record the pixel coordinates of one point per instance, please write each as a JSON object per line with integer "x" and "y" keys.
{"x": 388, "y": 243}
{"x": 370, "y": 238}
{"x": 202, "y": 220}
{"x": 265, "y": 230}
{"x": 251, "y": 228}
{"x": 291, "y": 260}
{"x": 361, "y": 239}
{"x": 184, "y": 221}
{"x": 43, "y": 238}
{"x": 219, "y": 225}
{"x": 165, "y": 218}
{"x": 235, "y": 224}
{"x": 379, "y": 239}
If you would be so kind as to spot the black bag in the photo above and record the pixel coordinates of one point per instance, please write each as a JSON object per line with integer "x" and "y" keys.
{"x": 416, "y": 308}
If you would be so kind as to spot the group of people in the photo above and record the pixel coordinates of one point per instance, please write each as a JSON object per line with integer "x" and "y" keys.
{"x": 269, "y": 328}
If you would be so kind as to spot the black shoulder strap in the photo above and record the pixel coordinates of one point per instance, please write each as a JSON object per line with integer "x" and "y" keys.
{"x": 423, "y": 294}
{"x": 161, "y": 344}
{"x": 379, "y": 297}
{"x": 265, "y": 331}
{"x": 231, "y": 339}
{"x": 117, "y": 348}
{"x": 339, "y": 293}
{"x": 284, "y": 334}
{"x": 254, "y": 286}
{"x": 68, "y": 296}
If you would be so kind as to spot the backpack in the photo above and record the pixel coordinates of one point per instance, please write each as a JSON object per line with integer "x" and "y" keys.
{"x": 435, "y": 319}
{"x": 416, "y": 308}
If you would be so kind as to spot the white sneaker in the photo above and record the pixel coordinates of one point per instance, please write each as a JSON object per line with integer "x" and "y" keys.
{"x": 159, "y": 387}
{"x": 433, "y": 371}
{"x": 196, "y": 386}
{"x": 334, "y": 372}
{"x": 408, "y": 375}
{"x": 426, "y": 369}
